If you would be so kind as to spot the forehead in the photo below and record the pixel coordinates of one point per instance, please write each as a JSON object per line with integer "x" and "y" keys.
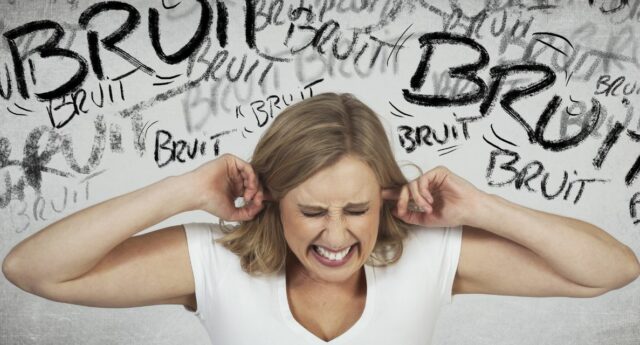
{"x": 347, "y": 181}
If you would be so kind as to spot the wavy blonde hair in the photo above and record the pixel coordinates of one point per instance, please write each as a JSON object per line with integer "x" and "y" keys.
{"x": 304, "y": 139}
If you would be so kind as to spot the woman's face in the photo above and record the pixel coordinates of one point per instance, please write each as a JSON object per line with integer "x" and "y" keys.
{"x": 331, "y": 220}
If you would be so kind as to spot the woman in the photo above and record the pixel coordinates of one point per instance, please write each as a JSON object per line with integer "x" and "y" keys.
{"x": 333, "y": 244}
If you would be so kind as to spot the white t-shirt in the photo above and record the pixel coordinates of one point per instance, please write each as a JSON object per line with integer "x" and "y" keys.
{"x": 402, "y": 304}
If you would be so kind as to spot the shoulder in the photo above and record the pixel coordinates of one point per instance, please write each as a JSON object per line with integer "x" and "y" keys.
{"x": 204, "y": 247}
{"x": 210, "y": 230}
{"x": 433, "y": 237}
{"x": 431, "y": 244}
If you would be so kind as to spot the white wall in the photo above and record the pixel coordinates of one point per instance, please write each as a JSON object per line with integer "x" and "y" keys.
{"x": 113, "y": 143}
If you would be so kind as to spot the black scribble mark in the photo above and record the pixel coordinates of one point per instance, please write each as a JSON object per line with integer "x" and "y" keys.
{"x": 556, "y": 35}
{"x": 567, "y": 77}
{"x": 32, "y": 71}
{"x": 552, "y": 47}
{"x": 121, "y": 91}
{"x": 566, "y": 109}
{"x": 446, "y": 153}
{"x": 25, "y": 109}
{"x": 395, "y": 45}
{"x": 170, "y": 7}
{"x": 446, "y": 148}
{"x": 88, "y": 177}
{"x": 14, "y": 113}
{"x": 501, "y": 138}
{"x": 248, "y": 130}
{"x": 217, "y": 135}
{"x": 126, "y": 74}
{"x": 169, "y": 77}
{"x": 396, "y": 115}
{"x": 145, "y": 130}
{"x": 244, "y": 135}
{"x": 239, "y": 112}
{"x": 400, "y": 111}
{"x": 492, "y": 144}
{"x": 541, "y": 7}
{"x": 163, "y": 83}
{"x": 401, "y": 46}
{"x": 634, "y": 135}
{"x": 636, "y": 221}
{"x": 272, "y": 58}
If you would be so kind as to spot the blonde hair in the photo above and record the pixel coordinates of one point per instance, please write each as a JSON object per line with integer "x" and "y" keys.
{"x": 304, "y": 139}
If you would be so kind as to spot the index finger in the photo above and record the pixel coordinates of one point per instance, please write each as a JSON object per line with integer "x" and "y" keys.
{"x": 250, "y": 180}
{"x": 391, "y": 193}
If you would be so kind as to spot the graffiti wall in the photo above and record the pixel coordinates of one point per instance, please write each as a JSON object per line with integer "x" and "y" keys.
{"x": 533, "y": 100}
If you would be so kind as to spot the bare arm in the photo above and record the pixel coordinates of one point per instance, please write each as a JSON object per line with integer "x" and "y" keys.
{"x": 512, "y": 249}
{"x": 70, "y": 247}
{"x": 91, "y": 258}
{"x": 508, "y": 249}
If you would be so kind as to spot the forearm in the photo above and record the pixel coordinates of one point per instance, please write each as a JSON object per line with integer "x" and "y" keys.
{"x": 73, "y": 245}
{"x": 579, "y": 251}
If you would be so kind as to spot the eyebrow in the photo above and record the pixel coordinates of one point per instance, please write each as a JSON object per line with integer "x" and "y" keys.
{"x": 349, "y": 205}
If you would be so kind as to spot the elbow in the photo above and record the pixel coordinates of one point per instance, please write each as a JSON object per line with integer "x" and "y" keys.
{"x": 627, "y": 274}
{"x": 624, "y": 275}
{"x": 634, "y": 270}
{"x": 14, "y": 272}
{"x": 9, "y": 269}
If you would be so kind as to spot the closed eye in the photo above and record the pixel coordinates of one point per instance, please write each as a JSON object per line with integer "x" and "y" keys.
{"x": 319, "y": 214}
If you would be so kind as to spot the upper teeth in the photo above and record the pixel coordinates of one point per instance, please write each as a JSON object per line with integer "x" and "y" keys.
{"x": 332, "y": 255}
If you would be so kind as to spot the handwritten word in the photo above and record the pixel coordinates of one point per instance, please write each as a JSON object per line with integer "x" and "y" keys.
{"x": 180, "y": 150}
{"x": 411, "y": 138}
{"x": 604, "y": 86}
{"x": 488, "y": 95}
{"x": 42, "y": 208}
{"x": 277, "y": 102}
{"x": 528, "y": 174}
{"x": 36, "y": 158}
{"x": 309, "y": 65}
{"x": 78, "y": 101}
{"x": 51, "y": 49}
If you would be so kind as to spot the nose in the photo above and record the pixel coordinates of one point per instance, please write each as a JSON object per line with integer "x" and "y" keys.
{"x": 336, "y": 234}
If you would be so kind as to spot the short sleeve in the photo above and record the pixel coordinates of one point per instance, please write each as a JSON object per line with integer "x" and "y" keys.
{"x": 202, "y": 254}
{"x": 452, "y": 243}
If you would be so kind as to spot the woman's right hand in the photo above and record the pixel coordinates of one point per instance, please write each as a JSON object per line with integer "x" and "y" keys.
{"x": 219, "y": 182}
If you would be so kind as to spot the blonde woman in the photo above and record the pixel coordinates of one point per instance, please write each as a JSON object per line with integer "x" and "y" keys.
{"x": 333, "y": 243}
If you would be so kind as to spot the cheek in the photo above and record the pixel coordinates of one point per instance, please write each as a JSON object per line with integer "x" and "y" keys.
{"x": 366, "y": 227}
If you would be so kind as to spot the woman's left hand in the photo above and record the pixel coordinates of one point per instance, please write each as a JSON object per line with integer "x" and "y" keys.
{"x": 440, "y": 198}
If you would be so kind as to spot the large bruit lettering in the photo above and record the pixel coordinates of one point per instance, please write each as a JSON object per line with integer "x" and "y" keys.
{"x": 206, "y": 16}
{"x": 109, "y": 42}
{"x": 466, "y": 71}
{"x": 97, "y": 45}
{"x": 48, "y": 49}
{"x": 499, "y": 75}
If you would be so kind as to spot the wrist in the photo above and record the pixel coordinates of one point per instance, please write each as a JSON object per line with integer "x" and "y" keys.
{"x": 484, "y": 210}
{"x": 187, "y": 196}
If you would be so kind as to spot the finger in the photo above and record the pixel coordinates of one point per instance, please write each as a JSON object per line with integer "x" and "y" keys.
{"x": 249, "y": 179}
{"x": 391, "y": 193}
{"x": 423, "y": 187}
{"x": 403, "y": 201}
{"x": 417, "y": 197}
